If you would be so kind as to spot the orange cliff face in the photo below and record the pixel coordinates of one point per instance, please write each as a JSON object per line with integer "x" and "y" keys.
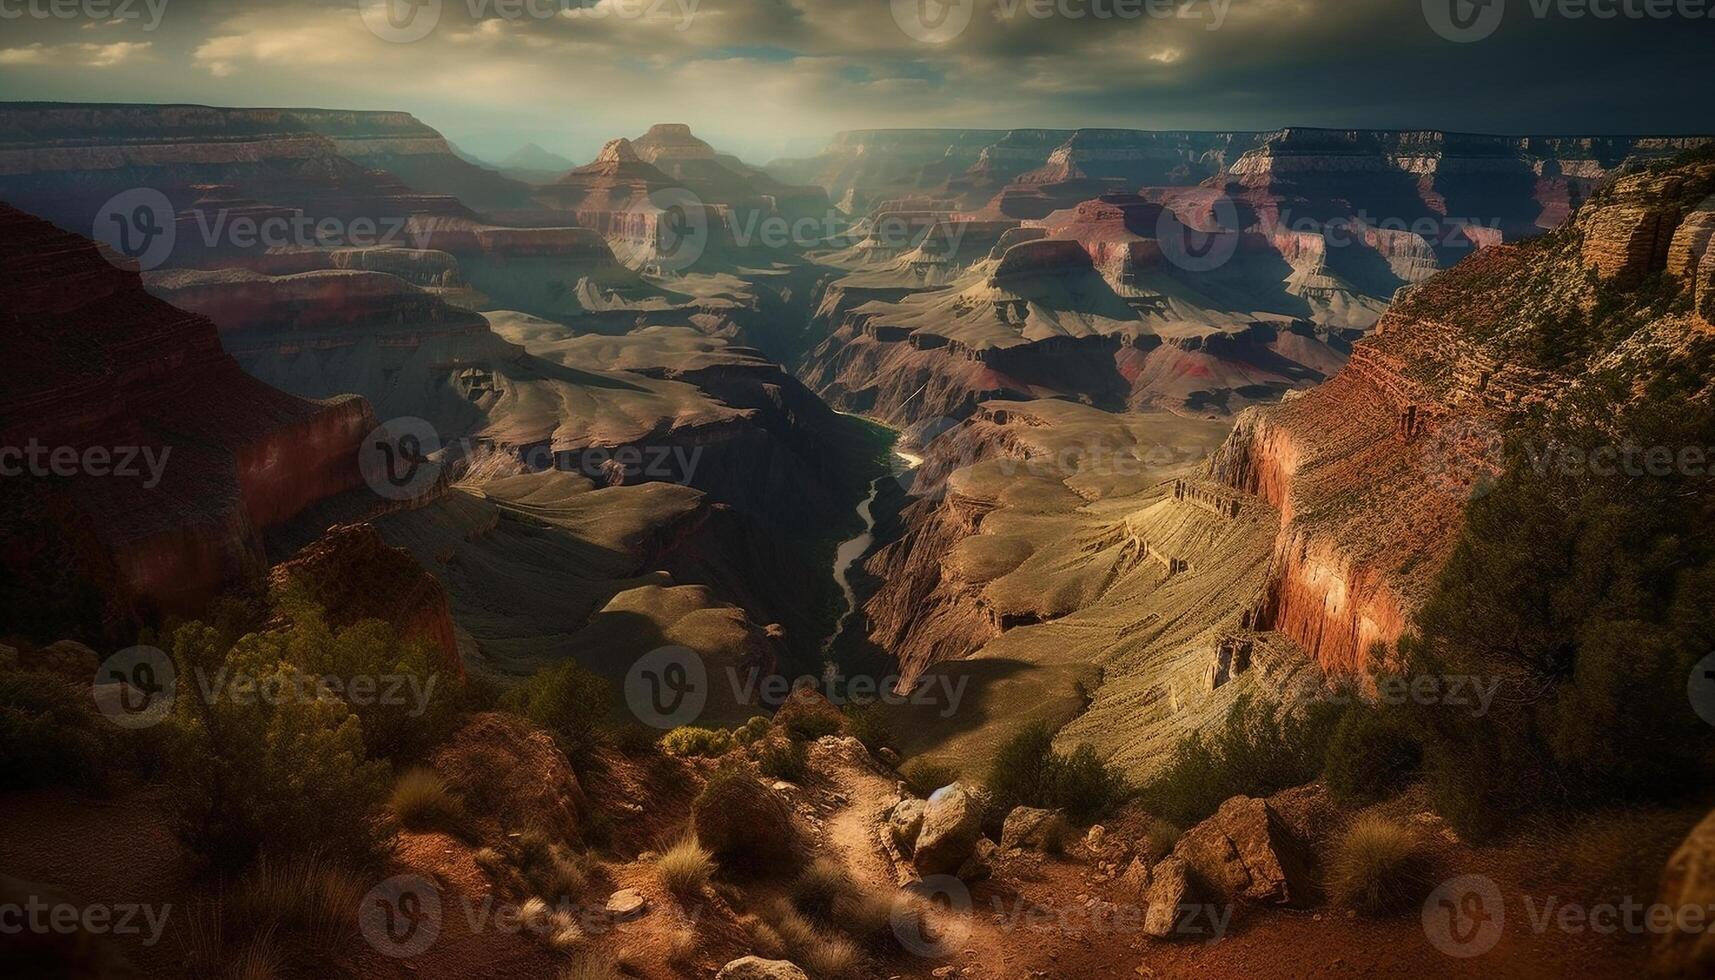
{"x": 211, "y": 457}
{"x": 1371, "y": 471}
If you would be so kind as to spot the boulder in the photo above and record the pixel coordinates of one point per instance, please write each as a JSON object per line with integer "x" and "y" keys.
{"x": 626, "y": 904}
{"x": 1689, "y": 881}
{"x": 757, "y": 968}
{"x": 952, "y": 822}
{"x": 888, "y": 757}
{"x": 1136, "y": 878}
{"x": 809, "y": 713}
{"x": 981, "y": 862}
{"x": 502, "y": 765}
{"x": 736, "y": 816}
{"x": 1246, "y": 851}
{"x": 1307, "y": 813}
{"x": 1028, "y": 826}
{"x": 1171, "y": 891}
{"x": 904, "y": 822}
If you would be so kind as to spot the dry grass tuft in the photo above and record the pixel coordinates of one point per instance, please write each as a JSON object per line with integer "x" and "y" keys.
{"x": 259, "y": 959}
{"x": 686, "y": 867}
{"x": 306, "y": 895}
{"x": 422, "y": 800}
{"x": 1378, "y": 866}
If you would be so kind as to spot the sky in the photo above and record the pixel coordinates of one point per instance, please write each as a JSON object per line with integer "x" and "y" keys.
{"x": 769, "y": 78}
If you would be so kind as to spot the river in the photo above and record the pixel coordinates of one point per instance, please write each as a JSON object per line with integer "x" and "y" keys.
{"x": 853, "y": 549}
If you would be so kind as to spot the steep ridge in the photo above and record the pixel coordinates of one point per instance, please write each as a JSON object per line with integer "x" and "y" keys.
{"x": 1370, "y": 472}
{"x": 113, "y": 373}
{"x": 1128, "y": 575}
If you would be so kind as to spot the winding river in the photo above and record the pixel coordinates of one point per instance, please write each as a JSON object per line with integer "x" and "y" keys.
{"x": 853, "y": 549}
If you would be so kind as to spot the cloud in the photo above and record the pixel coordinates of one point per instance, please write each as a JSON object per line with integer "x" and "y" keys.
{"x": 86, "y": 55}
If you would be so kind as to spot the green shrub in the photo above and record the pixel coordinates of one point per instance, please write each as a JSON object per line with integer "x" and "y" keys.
{"x": 1371, "y": 755}
{"x": 1026, "y": 771}
{"x": 805, "y": 726}
{"x": 1257, "y": 750}
{"x": 868, "y": 724}
{"x": 689, "y": 741}
{"x": 49, "y": 734}
{"x": 568, "y": 700}
{"x": 1585, "y": 596}
{"x": 754, "y": 728}
{"x": 292, "y": 774}
{"x": 924, "y": 776}
{"x": 412, "y": 698}
{"x": 789, "y": 760}
{"x": 1378, "y": 866}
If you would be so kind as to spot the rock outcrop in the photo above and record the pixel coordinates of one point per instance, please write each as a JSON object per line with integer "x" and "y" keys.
{"x": 1246, "y": 852}
{"x": 115, "y": 372}
{"x": 757, "y": 968}
{"x": 952, "y": 825}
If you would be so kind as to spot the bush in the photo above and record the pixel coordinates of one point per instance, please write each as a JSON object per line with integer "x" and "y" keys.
{"x": 292, "y": 773}
{"x": 807, "y": 727}
{"x": 788, "y": 760}
{"x": 1028, "y": 772}
{"x": 1258, "y": 749}
{"x": 48, "y": 734}
{"x": 1378, "y": 866}
{"x": 868, "y": 724}
{"x": 924, "y": 777}
{"x": 1585, "y": 596}
{"x": 754, "y": 728}
{"x": 686, "y": 867}
{"x": 548, "y": 869}
{"x": 1371, "y": 755}
{"x": 421, "y": 800}
{"x": 688, "y": 741}
{"x": 568, "y": 700}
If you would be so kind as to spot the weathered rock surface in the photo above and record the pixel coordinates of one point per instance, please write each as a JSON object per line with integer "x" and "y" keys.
{"x": 738, "y": 817}
{"x": 904, "y": 822}
{"x": 952, "y": 824}
{"x": 113, "y": 371}
{"x": 1171, "y": 892}
{"x": 1689, "y": 882}
{"x": 1246, "y": 851}
{"x": 757, "y": 968}
{"x": 504, "y": 767}
{"x": 1032, "y": 827}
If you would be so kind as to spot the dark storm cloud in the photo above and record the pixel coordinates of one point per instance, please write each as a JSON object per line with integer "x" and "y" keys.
{"x": 753, "y": 73}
